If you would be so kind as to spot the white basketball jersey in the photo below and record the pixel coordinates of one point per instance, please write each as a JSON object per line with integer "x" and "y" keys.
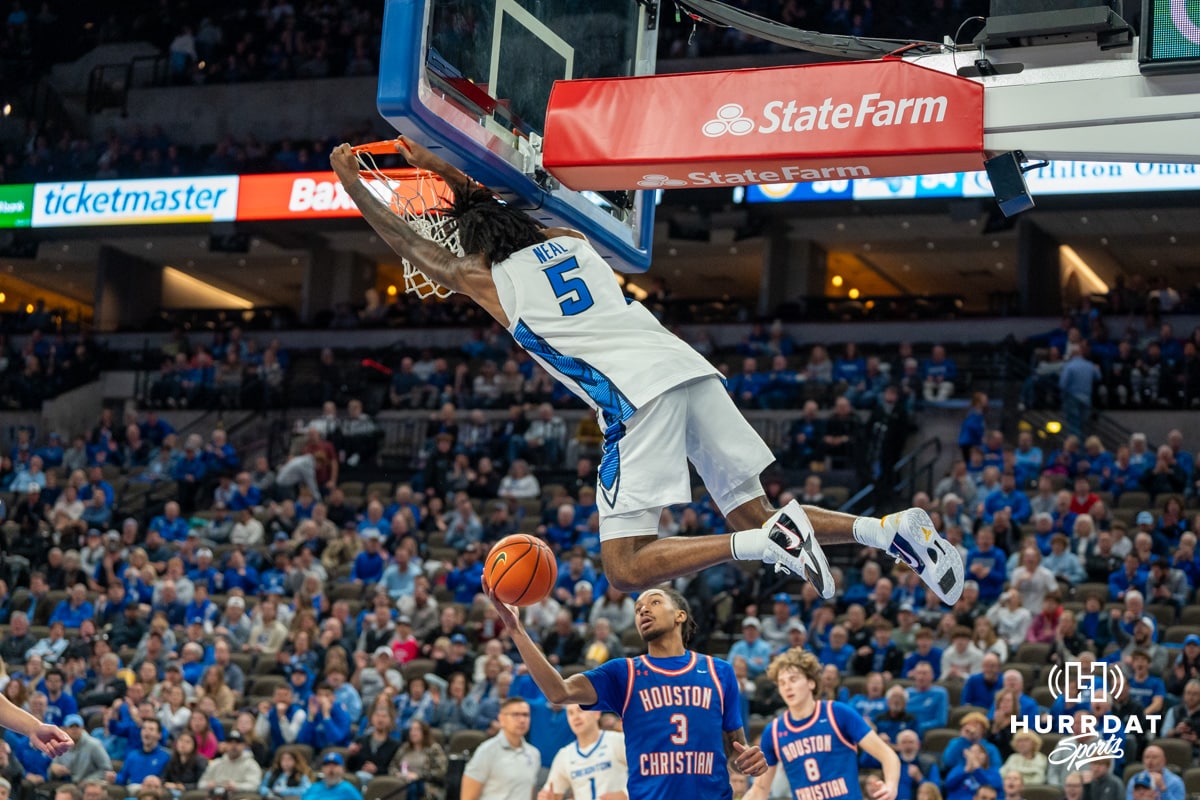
{"x": 566, "y": 309}
{"x": 590, "y": 773}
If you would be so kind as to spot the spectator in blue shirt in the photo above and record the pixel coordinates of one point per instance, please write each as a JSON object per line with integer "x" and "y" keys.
{"x": 192, "y": 468}
{"x": 149, "y": 759}
{"x": 850, "y": 368}
{"x": 1027, "y": 460}
{"x": 205, "y": 573}
{"x": 938, "y": 374}
{"x": 96, "y": 483}
{"x": 897, "y": 717}
{"x": 1145, "y": 688}
{"x": 1155, "y": 782}
{"x": 1063, "y": 563}
{"x": 745, "y": 387}
{"x": 246, "y": 495}
{"x": 779, "y": 386}
{"x": 154, "y": 430}
{"x": 976, "y": 777}
{"x": 333, "y": 785}
{"x": 399, "y": 578}
{"x": 59, "y": 704}
{"x": 980, "y": 689}
{"x": 752, "y": 647}
{"x": 925, "y": 653}
{"x": 1010, "y": 497}
{"x": 928, "y": 703}
{"x": 220, "y": 455}
{"x": 972, "y": 729}
{"x": 465, "y": 580}
{"x": 970, "y": 435}
{"x": 1076, "y": 380}
{"x": 839, "y": 651}
{"x": 170, "y": 525}
{"x": 369, "y": 564}
{"x": 327, "y": 724}
{"x": 1131, "y": 576}
{"x": 562, "y": 533}
{"x": 986, "y": 566}
{"x": 52, "y": 453}
{"x": 75, "y": 609}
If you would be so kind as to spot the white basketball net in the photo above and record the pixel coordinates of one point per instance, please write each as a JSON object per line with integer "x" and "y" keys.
{"x": 415, "y": 201}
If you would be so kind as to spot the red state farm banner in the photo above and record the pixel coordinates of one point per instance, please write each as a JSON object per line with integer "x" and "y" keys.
{"x": 863, "y": 119}
{"x": 308, "y": 195}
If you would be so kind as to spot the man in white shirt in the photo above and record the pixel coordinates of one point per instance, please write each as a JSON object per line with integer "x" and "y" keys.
{"x": 506, "y": 766}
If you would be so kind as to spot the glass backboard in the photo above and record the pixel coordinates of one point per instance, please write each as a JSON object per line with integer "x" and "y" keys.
{"x": 473, "y": 78}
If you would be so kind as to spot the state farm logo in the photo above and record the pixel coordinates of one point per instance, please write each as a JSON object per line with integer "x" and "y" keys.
{"x": 870, "y": 110}
{"x": 655, "y": 181}
{"x": 731, "y": 118}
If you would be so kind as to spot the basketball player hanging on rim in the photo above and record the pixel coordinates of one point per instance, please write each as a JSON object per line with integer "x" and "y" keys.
{"x": 660, "y": 403}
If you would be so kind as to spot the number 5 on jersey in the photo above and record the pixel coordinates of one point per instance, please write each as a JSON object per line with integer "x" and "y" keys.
{"x": 572, "y": 293}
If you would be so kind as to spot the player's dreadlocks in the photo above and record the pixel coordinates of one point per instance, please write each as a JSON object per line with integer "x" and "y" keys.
{"x": 490, "y": 226}
{"x": 680, "y": 602}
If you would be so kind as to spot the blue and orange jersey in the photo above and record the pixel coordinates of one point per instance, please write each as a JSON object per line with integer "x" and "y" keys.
{"x": 819, "y": 754}
{"x": 676, "y": 712}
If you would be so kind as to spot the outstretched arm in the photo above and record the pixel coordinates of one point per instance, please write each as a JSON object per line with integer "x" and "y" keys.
{"x": 49, "y": 739}
{"x": 419, "y": 156}
{"x": 575, "y": 689}
{"x": 890, "y": 786}
{"x": 435, "y": 261}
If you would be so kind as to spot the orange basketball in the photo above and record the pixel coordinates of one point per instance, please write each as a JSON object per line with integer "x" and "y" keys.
{"x": 521, "y": 569}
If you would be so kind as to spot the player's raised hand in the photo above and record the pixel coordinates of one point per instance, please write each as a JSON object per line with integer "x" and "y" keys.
{"x": 510, "y": 618}
{"x": 880, "y": 790}
{"x": 417, "y": 155}
{"x": 750, "y": 760}
{"x": 51, "y": 740}
{"x": 344, "y": 162}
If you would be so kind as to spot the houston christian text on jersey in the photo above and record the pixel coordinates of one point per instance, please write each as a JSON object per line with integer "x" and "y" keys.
{"x": 820, "y": 754}
{"x": 675, "y": 712}
{"x": 590, "y": 773}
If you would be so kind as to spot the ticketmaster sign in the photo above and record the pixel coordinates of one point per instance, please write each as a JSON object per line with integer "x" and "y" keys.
{"x": 139, "y": 202}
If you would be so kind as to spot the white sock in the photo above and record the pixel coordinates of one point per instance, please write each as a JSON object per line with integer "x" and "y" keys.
{"x": 870, "y": 532}
{"x": 748, "y": 545}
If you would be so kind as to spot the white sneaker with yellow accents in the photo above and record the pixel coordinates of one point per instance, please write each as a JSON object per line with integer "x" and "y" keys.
{"x": 915, "y": 542}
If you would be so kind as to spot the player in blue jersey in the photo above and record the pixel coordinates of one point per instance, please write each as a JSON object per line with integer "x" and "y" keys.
{"x": 817, "y": 742}
{"x": 680, "y": 711}
{"x": 661, "y": 404}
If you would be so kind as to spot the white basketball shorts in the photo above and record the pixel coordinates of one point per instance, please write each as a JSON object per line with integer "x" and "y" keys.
{"x": 644, "y": 467}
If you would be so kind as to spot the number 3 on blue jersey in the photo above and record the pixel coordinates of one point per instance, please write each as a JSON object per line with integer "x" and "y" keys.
{"x": 572, "y": 293}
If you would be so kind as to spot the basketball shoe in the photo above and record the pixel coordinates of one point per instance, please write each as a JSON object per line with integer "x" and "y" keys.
{"x": 915, "y": 542}
{"x": 792, "y": 546}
